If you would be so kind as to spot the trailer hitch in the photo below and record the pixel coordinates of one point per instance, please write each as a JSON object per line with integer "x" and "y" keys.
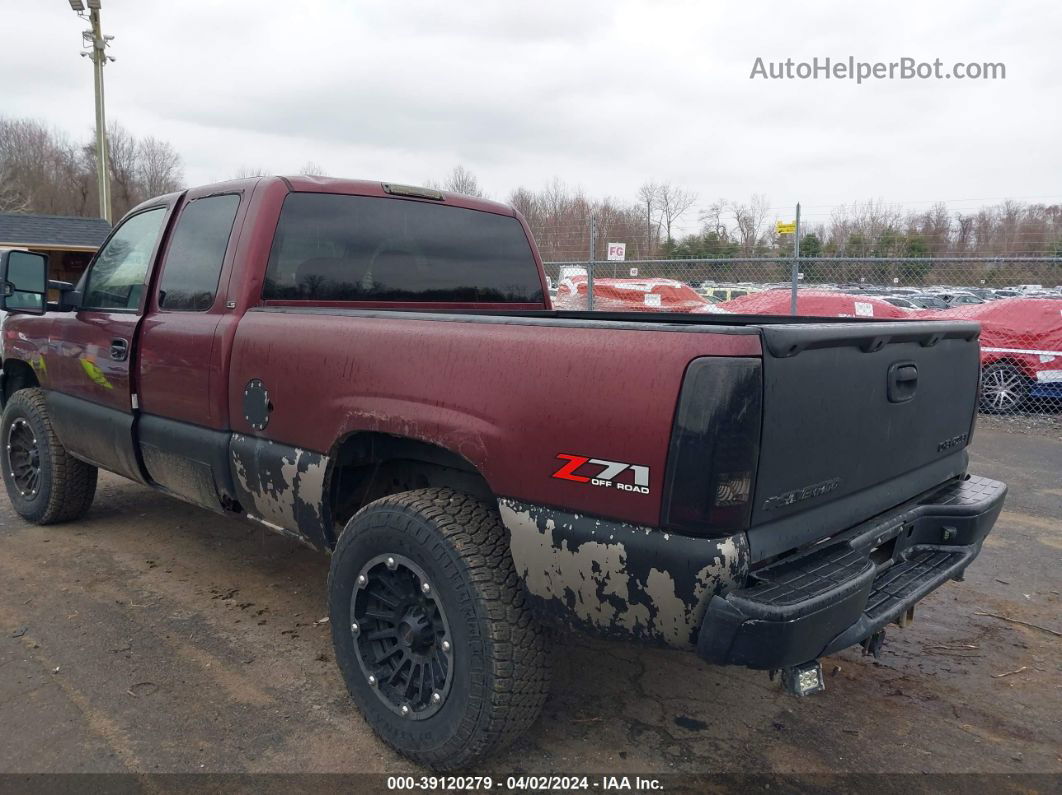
{"x": 873, "y": 643}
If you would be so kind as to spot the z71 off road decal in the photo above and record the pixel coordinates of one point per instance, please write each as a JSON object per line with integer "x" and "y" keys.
{"x": 599, "y": 472}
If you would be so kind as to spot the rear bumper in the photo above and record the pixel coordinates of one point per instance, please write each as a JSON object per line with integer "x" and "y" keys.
{"x": 835, "y": 595}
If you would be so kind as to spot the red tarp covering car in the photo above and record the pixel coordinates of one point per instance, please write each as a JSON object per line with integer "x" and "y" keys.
{"x": 1025, "y": 332}
{"x": 629, "y": 295}
{"x": 821, "y": 303}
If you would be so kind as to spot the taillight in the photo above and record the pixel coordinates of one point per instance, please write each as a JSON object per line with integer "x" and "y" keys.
{"x": 715, "y": 446}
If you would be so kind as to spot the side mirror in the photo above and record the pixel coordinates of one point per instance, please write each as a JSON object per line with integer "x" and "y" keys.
{"x": 69, "y": 296}
{"x": 24, "y": 282}
{"x": 69, "y": 300}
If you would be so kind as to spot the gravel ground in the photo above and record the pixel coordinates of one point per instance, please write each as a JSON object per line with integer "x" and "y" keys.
{"x": 155, "y": 637}
{"x": 1047, "y": 423}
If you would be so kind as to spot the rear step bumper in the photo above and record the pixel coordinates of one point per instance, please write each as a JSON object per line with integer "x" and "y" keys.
{"x": 835, "y": 595}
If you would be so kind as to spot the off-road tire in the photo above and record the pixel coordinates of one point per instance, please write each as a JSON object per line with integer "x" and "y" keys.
{"x": 67, "y": 485}
{"x": 500, "y": 655}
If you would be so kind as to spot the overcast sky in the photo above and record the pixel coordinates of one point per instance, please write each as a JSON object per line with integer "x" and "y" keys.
{"x": 604, "y": 95}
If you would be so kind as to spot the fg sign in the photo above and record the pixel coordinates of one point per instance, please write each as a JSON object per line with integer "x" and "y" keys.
{"x": 617, "y": 252}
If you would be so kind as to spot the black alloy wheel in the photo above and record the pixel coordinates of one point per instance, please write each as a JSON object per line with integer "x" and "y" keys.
{"x": 401, "y": 636}
{"x": 24, "y": 458}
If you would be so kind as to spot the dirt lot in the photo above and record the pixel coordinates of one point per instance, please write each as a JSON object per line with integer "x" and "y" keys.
{"x": 153, "y": 636}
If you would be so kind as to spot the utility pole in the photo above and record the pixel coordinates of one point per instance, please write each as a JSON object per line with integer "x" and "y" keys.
{"x": 96, "y": 44}
{"x": 649, "y": 227}
{"x": 796, "y": 264}
{"x": 590, "y": 264}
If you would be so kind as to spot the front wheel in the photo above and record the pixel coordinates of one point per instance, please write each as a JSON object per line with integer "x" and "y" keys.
{"x": 430, "y": 628}
{"x": 1004, "y": 389}
{"x": 45, "y": 483}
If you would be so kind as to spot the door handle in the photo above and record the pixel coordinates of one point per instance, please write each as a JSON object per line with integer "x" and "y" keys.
{"x": 906, "y": 374}
{"x": 903, "y": 381}
{"x": 119, "y": 349}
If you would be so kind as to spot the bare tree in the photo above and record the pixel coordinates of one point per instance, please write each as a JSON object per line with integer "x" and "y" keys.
{"x": 462, "y": 181}
{"x": 964, "y": 234}
{"x": 560, "y": 222}
{"x": 526, "y": 203}
{"x": 11, "y": 200}
{"x": 934, "y": 227}
{"x": 749, "y": 219}
{"x": 673, "y": 203}
{"x": 159, "y": 167}
{"x": 312, "y": 169}
{"x": 712, "y": 219}
{"x": 649, "y": 198}
{"x": 858, "y": 229}
{"x": 43, "y": 171}
{"x": 245, "y": 172}
{"x": 122, "y": 160}
{"x": 140, "y": 168}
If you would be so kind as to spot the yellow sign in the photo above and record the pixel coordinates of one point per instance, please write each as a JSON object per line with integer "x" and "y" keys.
{"x": 783, "y": 228}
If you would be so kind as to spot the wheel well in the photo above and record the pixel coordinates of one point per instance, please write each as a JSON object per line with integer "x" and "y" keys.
{"x": 368, "y": 465}
{"x": 1015, "y": 363}
{"x": 17, "y": 375}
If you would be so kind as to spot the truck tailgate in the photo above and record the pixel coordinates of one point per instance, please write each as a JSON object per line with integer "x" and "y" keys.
{"x": 856, "y": 419}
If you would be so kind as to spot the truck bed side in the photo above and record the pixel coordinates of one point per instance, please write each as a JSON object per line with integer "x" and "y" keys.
{"x": 507, "y": 394}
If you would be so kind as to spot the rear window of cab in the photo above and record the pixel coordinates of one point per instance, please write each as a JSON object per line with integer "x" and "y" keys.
{"x": 331, "y": 247}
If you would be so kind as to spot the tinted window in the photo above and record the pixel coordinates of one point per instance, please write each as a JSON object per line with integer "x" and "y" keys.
{"x": 116, "y": 280}
{"x": 196, "y": 252}
{"x": 359, "y": 248}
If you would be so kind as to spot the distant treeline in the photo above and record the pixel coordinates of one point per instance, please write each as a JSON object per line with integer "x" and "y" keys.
{"x": 560, "y": 219}
{"x": 730, "y": 229}
{"x": 43, "y": 171}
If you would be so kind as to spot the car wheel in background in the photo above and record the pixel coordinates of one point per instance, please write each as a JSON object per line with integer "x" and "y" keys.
{"x": 1004, "y": 389}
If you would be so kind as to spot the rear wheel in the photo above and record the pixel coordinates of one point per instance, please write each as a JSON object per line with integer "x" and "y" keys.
{"x": 45, "y": 483}
{"x": 430, "y": 628}
{"x": 1004, "y": 389}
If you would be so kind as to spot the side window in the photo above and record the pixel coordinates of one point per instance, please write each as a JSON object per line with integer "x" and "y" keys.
{"x": 196, "y": 252}
{"x": 116, "y": 280}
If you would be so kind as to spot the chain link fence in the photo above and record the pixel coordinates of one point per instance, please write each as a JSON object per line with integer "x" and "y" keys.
{"x": 1017, "y": 300}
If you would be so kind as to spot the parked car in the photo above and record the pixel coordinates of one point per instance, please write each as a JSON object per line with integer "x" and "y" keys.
{"x": 959, "y": 299}
{"x": 375, "y": 370}
{"x": 629, "y": 295}
{"x": 903, "y": 302}
{"x": 1021, "y": 351}
{"x": 720, "y": 294}
{"x": 928, "y": 301}
{"x": 819, "y": 303}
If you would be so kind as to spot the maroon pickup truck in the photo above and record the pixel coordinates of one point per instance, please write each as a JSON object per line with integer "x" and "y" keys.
{"x": 375, "y": 370}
